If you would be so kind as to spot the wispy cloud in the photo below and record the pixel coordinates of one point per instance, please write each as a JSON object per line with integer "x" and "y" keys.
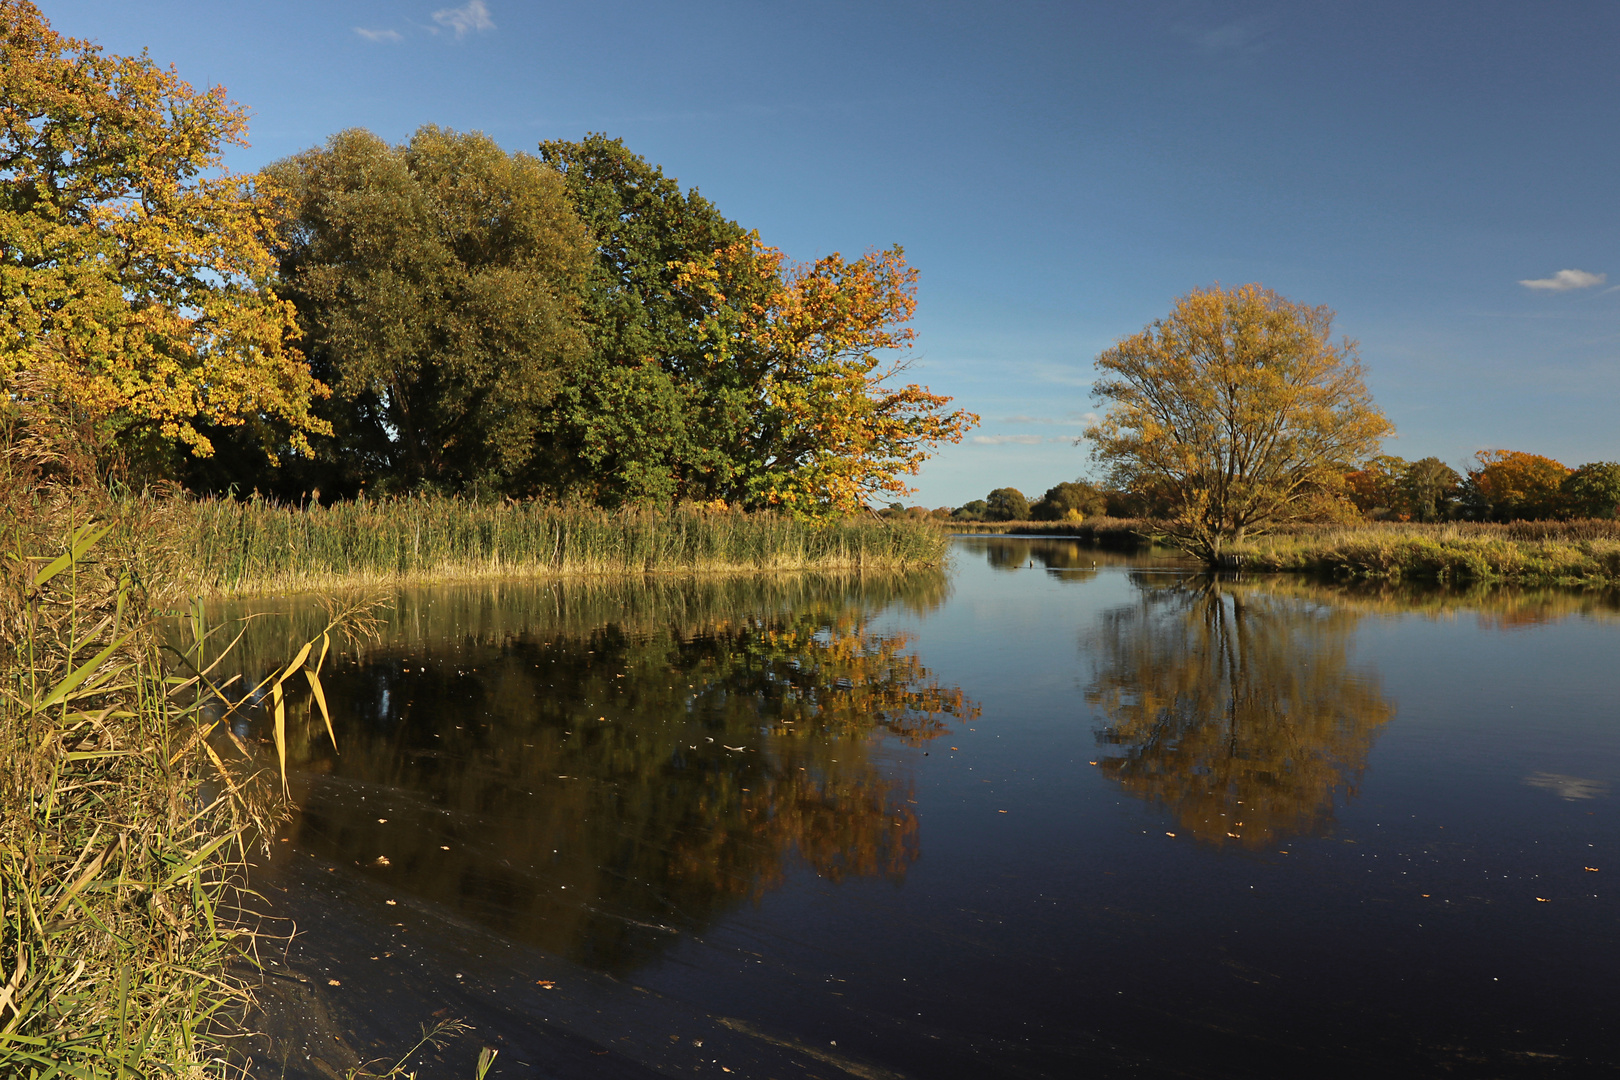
{"x": 1241, "y": 37}
{"x": 1018, "y": 440}
{"x": 379, "y": 35}
{"x": 1072, "y": 420}
{"x": 1565, "y": 280}
{"x": 471, "y": 16}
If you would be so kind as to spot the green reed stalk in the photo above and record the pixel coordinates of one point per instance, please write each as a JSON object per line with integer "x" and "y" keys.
{"x": 259, "y": 546}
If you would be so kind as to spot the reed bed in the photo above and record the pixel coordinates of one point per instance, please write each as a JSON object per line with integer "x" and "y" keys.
{"x": 122, "y": 825}
{"x": 256, "y": 547}
{"x": 1578, "y": 553}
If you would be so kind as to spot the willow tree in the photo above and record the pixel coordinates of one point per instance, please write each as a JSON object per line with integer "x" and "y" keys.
{"x": 1239, "y": 411}
{"x": 437, "y": 283}
{"x": 133, "y": 268}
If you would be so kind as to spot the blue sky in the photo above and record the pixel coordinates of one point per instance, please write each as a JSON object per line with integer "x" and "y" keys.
{"x": 1058, "y": 172}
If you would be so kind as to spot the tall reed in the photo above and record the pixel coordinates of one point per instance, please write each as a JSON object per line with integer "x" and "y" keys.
{"x": 259, "y": 546}
{"x": 121, "y": 825}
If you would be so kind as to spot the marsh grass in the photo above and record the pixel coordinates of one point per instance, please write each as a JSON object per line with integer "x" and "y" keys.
{"x": 260, "y": 547}
{"x": 1579, "y": 553}
{"x": 123, "y": 820}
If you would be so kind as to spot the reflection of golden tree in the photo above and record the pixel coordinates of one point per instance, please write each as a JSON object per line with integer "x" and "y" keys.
{"x": 1238, "y": 710}
{"x": 594, "y": 785}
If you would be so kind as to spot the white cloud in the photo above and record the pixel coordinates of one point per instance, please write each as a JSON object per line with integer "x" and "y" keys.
{"x": 1565, "y": 280}
{"x": 1242, "y": 37}
{"x": 379, "y": 35}
{"x": 1046, "y": 419}
{"x": 1018, "y": 440}
{"x": 471, "y": 16}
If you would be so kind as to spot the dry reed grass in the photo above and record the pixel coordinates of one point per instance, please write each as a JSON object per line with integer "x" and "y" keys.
{"x": 124, "y": 808}
{"x": 1579, "y": 553}
{"x": 257, "y": 547}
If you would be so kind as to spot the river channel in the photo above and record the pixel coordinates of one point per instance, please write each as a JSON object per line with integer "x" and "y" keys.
{"x": 1049, "y": 812}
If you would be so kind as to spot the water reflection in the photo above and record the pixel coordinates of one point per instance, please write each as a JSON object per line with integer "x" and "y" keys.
{"x": 625, "y": 761}
{"x": 1069, "y": 561}
{"x": 1237, "y": 708}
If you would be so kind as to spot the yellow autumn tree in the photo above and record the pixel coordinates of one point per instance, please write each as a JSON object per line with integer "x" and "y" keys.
{"x": 1240, "y": 410}
{"x": 133, "y": 268}
{"x": 828, "y": 427}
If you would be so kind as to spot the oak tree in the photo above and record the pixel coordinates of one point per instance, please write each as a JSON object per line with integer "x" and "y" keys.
{"x": 1593, "y": 490}
{"x": 1240, "y": 409}
{"x": 134, "y": 270}
{"x": 821, "y": 426}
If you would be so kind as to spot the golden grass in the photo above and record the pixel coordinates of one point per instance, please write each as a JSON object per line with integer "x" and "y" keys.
{"x": 1577, "y": 553}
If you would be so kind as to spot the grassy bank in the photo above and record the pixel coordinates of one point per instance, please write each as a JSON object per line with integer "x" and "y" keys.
{"x": 258, "y": 547}
{"x": 1580, "y": 553}
{"x": 120, "y": 827}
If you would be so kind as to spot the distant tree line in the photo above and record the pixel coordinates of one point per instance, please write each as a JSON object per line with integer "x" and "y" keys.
{"x": 1502, "y": 485}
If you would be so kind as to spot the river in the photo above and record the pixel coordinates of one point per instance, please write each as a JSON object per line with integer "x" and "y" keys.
{"x": 1051, "y": 812}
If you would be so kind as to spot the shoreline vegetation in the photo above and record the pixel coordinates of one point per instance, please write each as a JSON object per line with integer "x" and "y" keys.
{"x": 1581, "y": 554}
{"x": 125, "y": 810}
{"x": 223, "y": 548}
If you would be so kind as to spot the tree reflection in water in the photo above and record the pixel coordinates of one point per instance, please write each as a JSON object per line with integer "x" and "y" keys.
{"x": 595, "y": 790}
{"x": 1237, "y": 709}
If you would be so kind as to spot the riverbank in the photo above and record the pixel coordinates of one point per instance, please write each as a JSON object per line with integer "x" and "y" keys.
{"x": 1117, "y": 534}
{"x": 1536, "y": 553}
{"x": 1576, "y": 553}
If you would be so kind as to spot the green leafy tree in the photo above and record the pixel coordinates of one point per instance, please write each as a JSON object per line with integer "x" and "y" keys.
{"x": 647, "y": 413}
{"x": 437, "y": 283}
{"x": 1427, "y": 489}
{"x": 1593, "y": 490}
{"x": 1074, "y": 500}
{"x": 1240, "y": 409}
{"x": 972, "y": 510}
{"x": 1006, "y": 504}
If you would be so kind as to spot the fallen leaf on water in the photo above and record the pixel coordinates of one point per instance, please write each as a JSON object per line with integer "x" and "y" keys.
{"x": 1591, "y": 868}
{"x": 382, "y": 860}
{"x": 390, "y": 903}
{"x": 1542, "y": 900}
{"x": 546, "y": 984}
{"x": 1169, "y": 834}
{"x": 333, "y": 982}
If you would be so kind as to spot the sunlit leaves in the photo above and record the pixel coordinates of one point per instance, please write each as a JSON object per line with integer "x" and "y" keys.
{"x": 132, "y": 268}
{"x": 830, "y": 429}
{"x": 1239, "y": 410}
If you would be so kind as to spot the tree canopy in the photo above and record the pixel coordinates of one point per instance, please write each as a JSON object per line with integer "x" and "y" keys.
{"x": 719, "y": 369}
{"x": 1593, "y": 490}
{"x": 133, "y": 269}
{"x": 437, "y": 283}
{"x": 1240, "y": 410}
{"x": 1510, "y": 484}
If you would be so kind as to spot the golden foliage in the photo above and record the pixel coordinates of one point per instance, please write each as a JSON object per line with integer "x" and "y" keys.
{"x": 132, "y": 269}
{"x": 1238, "y": 408}
{"x": 831, "y": 430}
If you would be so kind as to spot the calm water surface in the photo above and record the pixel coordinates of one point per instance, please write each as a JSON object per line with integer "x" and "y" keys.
{"x": 1055, "y": 813}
